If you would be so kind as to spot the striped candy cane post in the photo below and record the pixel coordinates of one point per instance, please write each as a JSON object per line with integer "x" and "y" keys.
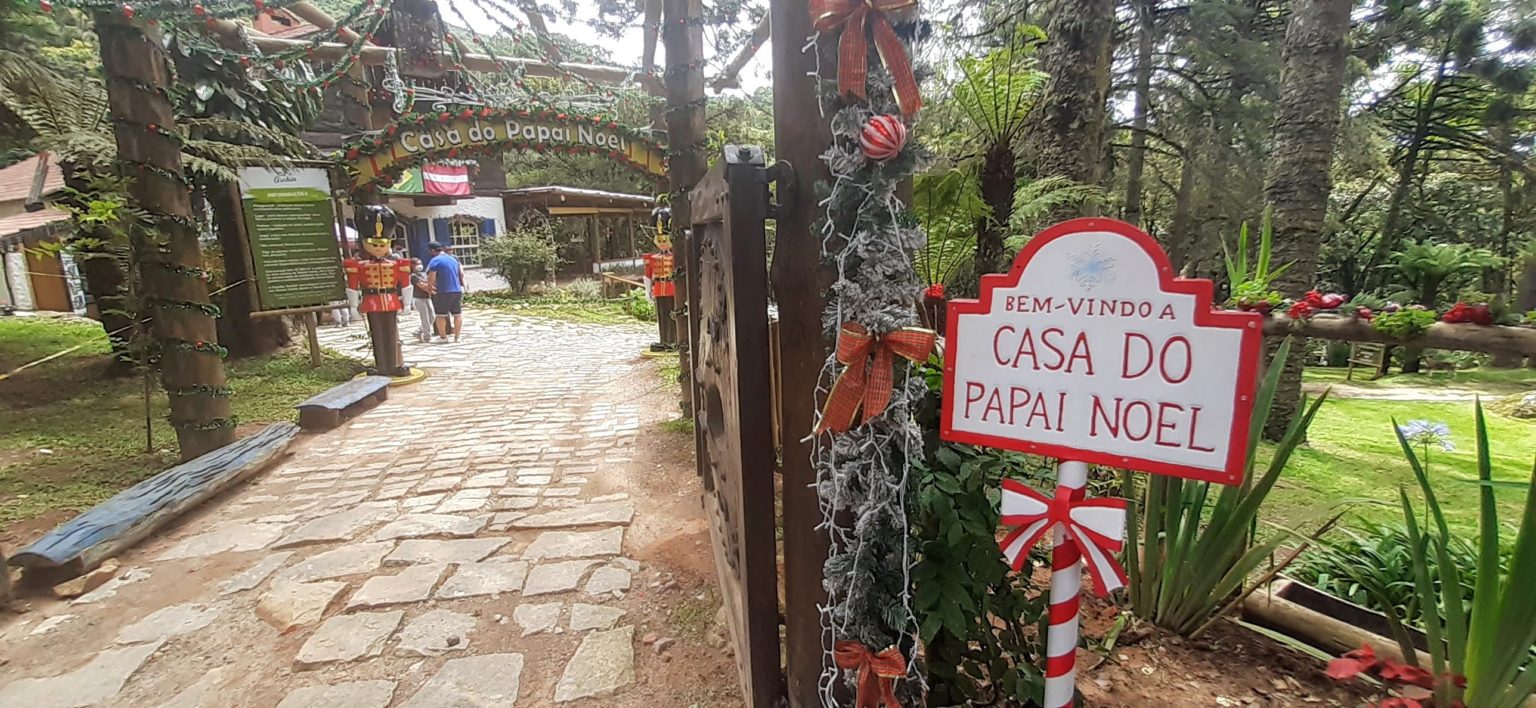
{"x": 1066, "y": 591}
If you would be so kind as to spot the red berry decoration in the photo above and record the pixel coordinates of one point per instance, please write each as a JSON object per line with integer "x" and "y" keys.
{"x": 883, "y": 138}
{"x": 466, "y": 113}
{"x": 934, "y": 292}
{"x": 352, "y": 153}
{"x": 444, "y": 117}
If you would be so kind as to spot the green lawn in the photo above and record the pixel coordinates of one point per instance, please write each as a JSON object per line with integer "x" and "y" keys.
{"x": 606, "y": 312}
{"x": 91, "y": 425}
{"x": 1484, "y": 380}
{"x": 1352, "y": 460}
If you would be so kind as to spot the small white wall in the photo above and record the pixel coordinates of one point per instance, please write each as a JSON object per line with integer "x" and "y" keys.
{"x": 21, "y": 285}
{"x": 478, "y": 207}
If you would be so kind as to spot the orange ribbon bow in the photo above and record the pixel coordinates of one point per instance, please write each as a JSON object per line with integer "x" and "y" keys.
{"x": 877, "y": 673}
{"x": 853, "y": 46}
{"x": 863, "y": 385}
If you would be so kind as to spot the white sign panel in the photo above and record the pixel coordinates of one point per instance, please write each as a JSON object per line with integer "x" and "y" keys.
{"x": 1089, "y": 349}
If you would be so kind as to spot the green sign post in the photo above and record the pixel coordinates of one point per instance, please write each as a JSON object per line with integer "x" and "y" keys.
{"x": 292, "y": 226}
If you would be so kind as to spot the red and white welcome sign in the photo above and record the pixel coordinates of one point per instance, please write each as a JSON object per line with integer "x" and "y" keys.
{"x": 1089, "y": 349}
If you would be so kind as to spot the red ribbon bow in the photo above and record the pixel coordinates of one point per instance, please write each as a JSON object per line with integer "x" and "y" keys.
{"x": 853, "y": 46}
{"x": 877, "y": 673}
{"x": 1095, "y": 526}
{"x": 862, "y": 385}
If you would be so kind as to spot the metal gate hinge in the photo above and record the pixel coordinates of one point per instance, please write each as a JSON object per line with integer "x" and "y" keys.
{"x": 783, "y": 173}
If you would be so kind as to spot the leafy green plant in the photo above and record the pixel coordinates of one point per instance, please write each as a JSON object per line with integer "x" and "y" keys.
{"x": 524, "y": 256}
{"x": 638, "y": 305}
{"x": 1194, "y": 558}
{"x": 974, "y": 614}
{"x": 1251, "y": 276}
{"x": 1372, "y": 566}
{"x": 1491, "y": 644}
{"x": 1406, "y": 323}
{"x": 582, "y": 289}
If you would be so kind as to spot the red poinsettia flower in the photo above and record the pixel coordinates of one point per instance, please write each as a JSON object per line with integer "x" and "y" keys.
{"x": 1404, "y": 673}
{"x": 934, "y": 292}
{"x": 1313, "y": 298}
{"x": 1301, "y": 310}
{"x": 1331, "y": 301}
{"x": 1353, "y": 663}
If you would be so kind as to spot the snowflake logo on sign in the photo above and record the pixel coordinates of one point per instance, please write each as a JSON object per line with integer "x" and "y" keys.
{"x": 1092, "y": 269}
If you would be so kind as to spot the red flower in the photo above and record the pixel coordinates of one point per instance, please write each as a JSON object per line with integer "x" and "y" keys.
{"x": 1480, "y": 314}
{"x": 934, "y": 292}
{"x": 1332, "y": 301}
{"x": 1397, "y": 702}
{"x": 1364, "y": 313}
{"x": 1404, "y": 673}
{"x": 1300, "y": 311}
{"x": 1313, "y": 298}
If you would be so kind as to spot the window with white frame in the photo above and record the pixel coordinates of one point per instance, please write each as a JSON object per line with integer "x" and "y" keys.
{"x": 465, "y": 233}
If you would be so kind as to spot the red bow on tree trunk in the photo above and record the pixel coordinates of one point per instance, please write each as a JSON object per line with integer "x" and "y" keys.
{"x": 853, "y": 46}
{"x": 877, "y": 673}
{"x": 866, "y": 385}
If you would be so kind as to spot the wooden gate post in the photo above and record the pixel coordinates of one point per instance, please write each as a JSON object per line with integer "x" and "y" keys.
{"x": 799, "y": 283}
{"x": 683, "y": 75}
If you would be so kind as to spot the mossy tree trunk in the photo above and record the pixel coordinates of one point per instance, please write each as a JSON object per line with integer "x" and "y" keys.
{"x": 170, "y": 260}
{"x": 1069, "y": 125}
{"x": 1305, "y": 133}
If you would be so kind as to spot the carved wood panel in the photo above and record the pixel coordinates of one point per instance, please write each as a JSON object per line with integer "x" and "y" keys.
{"x": 728, "y": 324}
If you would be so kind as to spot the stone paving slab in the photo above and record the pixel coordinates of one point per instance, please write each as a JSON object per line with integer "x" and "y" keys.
{"x": 459, "y": 550}
{"x": 435, "y": 633}
{"x": 95, "y": 683}
{"x": 351, "y": 559}
{"x": 291, "y": 605}
{"x": 348, "y": 638}
{"x": 414, "y": 584}
{"x": 253, "y": 576}
{"x": 430, "y": 526}
{"x": 555, "y": 577}
{"x": 488, "y": 578}
{"x": 489, "y": 680}
{"x": 168, "y": 622}
{"x": 576, "y": 544}
{"x": 356, "y": 694}
{"x": 604, "y": 663}
{"x": 583, "y": 515}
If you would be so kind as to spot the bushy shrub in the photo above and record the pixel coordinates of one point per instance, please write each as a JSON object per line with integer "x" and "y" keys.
{"x": 584, "y": 289}
{"x": 639, "y": 306}
{"x": 522, "y": 257}
{"x": 1372, "y": 566}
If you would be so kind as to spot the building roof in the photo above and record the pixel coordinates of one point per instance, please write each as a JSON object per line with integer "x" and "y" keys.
{"x": 282, "y": 24}
{"x": 555, "y": 196}
{"x": 15, "y": 228}
{"x": 16, "y": 180}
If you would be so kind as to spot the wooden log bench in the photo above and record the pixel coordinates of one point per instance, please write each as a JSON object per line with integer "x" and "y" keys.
{"x": 117, "y": 524}
{"x": 328, "y": 409}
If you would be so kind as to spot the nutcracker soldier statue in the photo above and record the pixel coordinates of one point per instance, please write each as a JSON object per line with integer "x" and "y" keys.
{"x": 658, "y": 278}
{"x": 379, "y": 277}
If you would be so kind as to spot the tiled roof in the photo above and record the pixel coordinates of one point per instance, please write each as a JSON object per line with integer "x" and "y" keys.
{"x": 26, "y": 221}
{"x": 16, "y": 180}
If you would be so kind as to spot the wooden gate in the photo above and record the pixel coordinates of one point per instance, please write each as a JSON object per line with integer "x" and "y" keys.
{"x": 727, "y": 274}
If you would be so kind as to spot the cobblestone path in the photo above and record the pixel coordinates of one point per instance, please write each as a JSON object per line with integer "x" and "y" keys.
{"x": 464, "y": 544}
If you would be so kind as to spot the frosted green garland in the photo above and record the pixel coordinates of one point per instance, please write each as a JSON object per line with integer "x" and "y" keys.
{"x": 869, "y": 237}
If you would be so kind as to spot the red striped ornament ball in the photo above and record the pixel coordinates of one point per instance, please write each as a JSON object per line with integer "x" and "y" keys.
{"x": 883, "y": 137}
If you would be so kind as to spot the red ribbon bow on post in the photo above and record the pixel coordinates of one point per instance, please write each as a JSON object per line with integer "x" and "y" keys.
{"x": 863, "y": 385}
{"x": 1095, "y": 526}
{"x": 853, "y": 46}
{"x": 877, "y": 673}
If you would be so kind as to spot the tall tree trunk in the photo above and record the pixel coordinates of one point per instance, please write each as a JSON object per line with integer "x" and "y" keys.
{"x": 999, "y": 179}
{"x": 1306, "y": 129}
{"x": 1136, "y": 159}
{"x": 191, "y": 368}
{"x": 1181, "y": 234}
{"x": 1407, "y": 169}
{"x": 1067, "y": 134}
{"x": 249, "y": 336}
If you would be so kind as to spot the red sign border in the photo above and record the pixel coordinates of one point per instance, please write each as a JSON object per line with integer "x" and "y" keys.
{"x": 1247, "y": 370}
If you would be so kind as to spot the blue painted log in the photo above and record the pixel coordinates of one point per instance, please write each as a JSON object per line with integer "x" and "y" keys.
{"x": 327, "y": 409}
{"x": 117, "y": 524}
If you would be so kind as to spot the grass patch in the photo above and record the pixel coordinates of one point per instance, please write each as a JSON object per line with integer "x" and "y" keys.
{"x": 679, "y": 426}
{"x": 1352, "y": 458}
{"x": 1491, "y": 381}
{"x": 603, "y": 312}
{"x": 692, "y": 616}
{"x": 92, "y": 424}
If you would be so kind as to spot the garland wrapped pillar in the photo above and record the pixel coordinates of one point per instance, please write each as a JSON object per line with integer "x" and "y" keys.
{"x": 863, "y": 466}
{"x": 171, "y": 263}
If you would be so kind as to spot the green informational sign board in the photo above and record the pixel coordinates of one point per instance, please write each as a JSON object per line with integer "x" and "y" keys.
{"x": 292, "y": 227}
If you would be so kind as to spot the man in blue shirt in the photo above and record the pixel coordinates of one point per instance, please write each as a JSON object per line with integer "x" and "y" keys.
{"x": 445, "y": 280}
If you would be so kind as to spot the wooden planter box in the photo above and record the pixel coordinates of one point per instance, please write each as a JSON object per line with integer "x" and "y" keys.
{"x": 1325, "y": 621}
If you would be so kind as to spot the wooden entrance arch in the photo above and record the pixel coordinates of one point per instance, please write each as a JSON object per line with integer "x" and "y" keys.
{"x": 375, "y": 160}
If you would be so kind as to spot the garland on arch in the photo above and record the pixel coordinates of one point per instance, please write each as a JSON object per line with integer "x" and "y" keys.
{"x": 863, "y": 468}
